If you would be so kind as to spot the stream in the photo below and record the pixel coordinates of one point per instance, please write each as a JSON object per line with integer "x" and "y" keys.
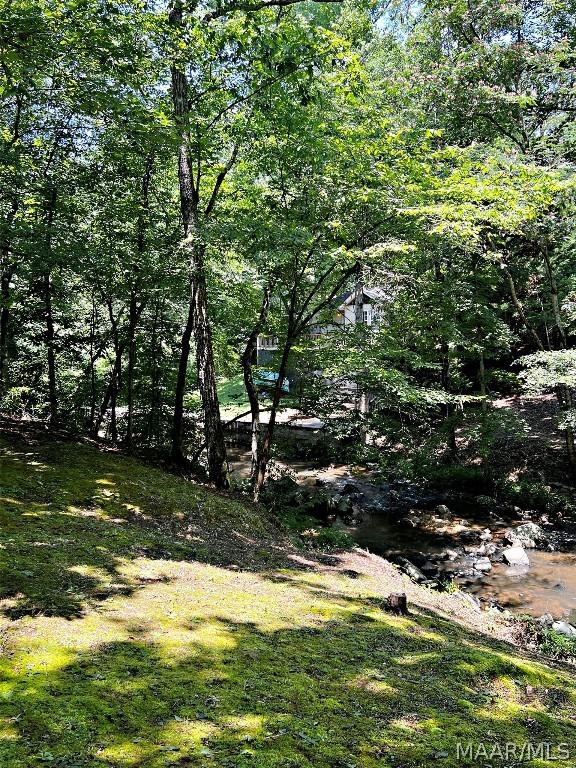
{"x": 447, "y": 549}
{"x": 548, "y": 585}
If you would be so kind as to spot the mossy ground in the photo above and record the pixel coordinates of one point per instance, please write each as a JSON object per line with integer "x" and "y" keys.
{"x": 148, "y": 622}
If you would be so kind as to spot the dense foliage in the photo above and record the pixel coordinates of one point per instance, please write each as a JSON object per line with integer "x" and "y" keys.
{"x": 178, "y": 180}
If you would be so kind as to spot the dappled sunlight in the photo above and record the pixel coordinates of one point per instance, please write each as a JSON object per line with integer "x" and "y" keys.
{"x": 126, "y": 753}
{"x": 372, "y": 680}
{"x": 128, "y": 645}
{"x": 417, "y": 659}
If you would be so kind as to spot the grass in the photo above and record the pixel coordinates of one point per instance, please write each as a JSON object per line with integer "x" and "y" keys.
{"x": 231, "y": 395}
{"x": 148, "y": 622}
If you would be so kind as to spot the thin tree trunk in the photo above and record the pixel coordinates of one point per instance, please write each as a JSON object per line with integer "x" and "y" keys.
{"x": 153, "y": 416}
{"x": 362, "y": 401}
{"x": 49, "y": 335}
{"x": 92, "y": 367}
{"x": 198, "y": 310}
{"x": 554, "y": 297}
{"x": 131, "y": 343}
{"x": 213, "y": 427}
{"x": 251, "y": 389}
{"x": 6, "y": 274}
{"x": 482, "y": 380}
{"x": 50, "y": 338}
{"x": 115, "y": 385}
{"x": 177, "y": 453}
{"x": 134, "y": 313}
{"x": 520, "y": 309}
{"x": 5, "y": 280}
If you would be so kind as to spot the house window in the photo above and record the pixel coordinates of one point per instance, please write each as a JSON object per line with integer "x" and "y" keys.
{"x": 366, "y": 316}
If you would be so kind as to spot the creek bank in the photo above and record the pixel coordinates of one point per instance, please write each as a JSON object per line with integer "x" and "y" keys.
{"x": 507, "y": 559}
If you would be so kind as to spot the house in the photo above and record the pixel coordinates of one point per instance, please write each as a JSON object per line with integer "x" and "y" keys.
{"x": 344, "y": 308}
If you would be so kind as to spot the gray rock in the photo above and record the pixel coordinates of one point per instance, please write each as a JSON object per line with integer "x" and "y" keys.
{"x": 410, "y": 570}
{"x": 526, "y": 535}
{"x": 486, "y": 502}
{"x": 546, "y": 620}
{"x": 563, "y": 628}
{"x": 516, "y": 556}
{"x": 483, "y": 564}
{"x": 443, "y": 511}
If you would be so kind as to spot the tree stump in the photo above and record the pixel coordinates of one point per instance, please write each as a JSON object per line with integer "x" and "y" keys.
{"x": 397, "y": 603}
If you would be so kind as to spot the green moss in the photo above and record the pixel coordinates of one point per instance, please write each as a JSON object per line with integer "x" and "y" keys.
{"x": 132, "y": 637}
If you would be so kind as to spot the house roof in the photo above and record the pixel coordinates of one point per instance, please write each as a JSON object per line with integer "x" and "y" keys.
{"x": 369, "y": 295}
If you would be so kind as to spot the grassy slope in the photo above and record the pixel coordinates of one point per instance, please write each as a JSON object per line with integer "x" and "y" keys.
{"x": 147, "y": 622}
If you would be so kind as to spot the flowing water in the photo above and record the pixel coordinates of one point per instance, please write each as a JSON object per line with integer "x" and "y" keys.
{"x": 547, "y": 586}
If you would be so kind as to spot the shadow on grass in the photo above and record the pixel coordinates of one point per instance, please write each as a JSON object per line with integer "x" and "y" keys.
{"x": 178, "y": 674}
{"x": 358, "y": 693}
{"x": 71, "y": 517}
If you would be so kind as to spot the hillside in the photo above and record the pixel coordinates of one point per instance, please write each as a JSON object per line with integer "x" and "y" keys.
{"x": 149, "y": 622}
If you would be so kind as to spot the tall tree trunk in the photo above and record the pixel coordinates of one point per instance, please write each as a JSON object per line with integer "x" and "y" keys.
{"x": 450, "y": 408}
{"x": 198, "y": 310}
{"x": 362, "y": 400}
{"x": 5, "y": 280}
{"x": 520, "y": 309}
{"x": 153, "y": 413}
{"x": 7, "y": 270}
{"x": 115, "y": 384}
{"x": 177, "y": 453}
{"x": 50, "y": 339}
{"x": 251, "y": 389}
{"x": 110, "y": 398}
{"x": 49, "y": 335}
{"x": 482, "y": 380}
{"x": 134, "y": 312}
{"x": 131, "y": 343}
{"x": 213, "y": 427}
{"x": 554, "y": 297}
{"x": 92, "y": 366}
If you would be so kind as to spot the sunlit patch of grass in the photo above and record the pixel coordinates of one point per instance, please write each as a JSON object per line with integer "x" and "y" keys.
{"x": 123, "y": 644}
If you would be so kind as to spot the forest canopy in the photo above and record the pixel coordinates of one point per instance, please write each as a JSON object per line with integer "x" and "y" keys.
{"x": 179, "y": 181}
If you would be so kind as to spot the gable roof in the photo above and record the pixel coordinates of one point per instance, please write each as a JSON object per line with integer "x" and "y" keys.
{"x": 369, "y": 295}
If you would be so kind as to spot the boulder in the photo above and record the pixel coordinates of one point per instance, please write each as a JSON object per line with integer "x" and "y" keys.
{"x": 527, "y": 535}
{"x": 516, "y": 556}
{"x": 546, "y": 620}
{"x": 563, "y": 628}
{"x": 483, "y": 564}
{"x": 410, "y": 570}
{"x": 443, "y": 511}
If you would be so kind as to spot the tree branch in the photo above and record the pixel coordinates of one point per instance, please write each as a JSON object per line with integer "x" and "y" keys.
{"x": 250, "y": 7}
